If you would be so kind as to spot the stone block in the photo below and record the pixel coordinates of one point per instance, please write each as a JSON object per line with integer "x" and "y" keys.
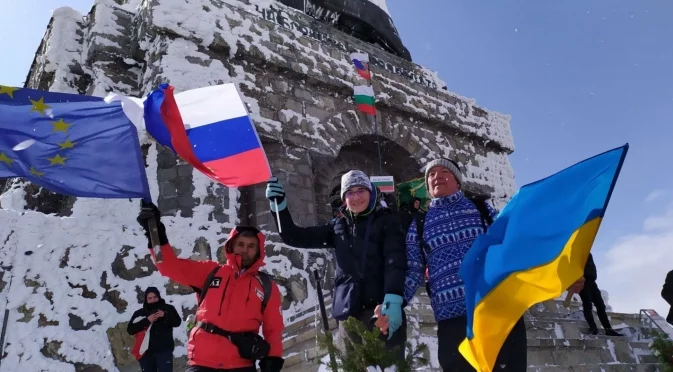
{"x": 168, "y": 174}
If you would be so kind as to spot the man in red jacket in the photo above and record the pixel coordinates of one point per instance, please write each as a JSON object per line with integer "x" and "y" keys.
{"x": 239, "y": 299}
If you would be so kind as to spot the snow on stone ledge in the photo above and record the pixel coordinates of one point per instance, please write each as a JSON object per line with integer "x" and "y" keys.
{"x": 63, "y": 48}
{"x": 224, "y": 20}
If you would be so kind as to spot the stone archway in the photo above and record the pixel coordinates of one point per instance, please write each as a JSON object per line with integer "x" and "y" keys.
{"x": 361, "y": 153}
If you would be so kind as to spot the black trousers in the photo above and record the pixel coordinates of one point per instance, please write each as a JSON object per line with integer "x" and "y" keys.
{"x": 591, "y": 296}
{"x": 397, "y": 342}
{"x": 513, "y": 356}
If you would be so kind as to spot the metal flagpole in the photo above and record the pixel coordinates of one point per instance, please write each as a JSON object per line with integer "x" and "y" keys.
{"x": 376, "y": 125}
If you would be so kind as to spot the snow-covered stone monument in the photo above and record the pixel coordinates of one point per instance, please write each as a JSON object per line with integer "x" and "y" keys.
{"x": 74, "y": 270}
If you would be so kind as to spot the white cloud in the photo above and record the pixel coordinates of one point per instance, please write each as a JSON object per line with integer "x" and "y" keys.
{"x": 635, "y": 266}
{"x": 654, "y": 195}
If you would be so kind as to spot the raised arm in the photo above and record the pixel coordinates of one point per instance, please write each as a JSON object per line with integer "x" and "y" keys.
{"x": 300, "y": 237}
{"x": 415, "y": 264}
{"x": 187, "y": 272}
{"x": 184, "y": 271}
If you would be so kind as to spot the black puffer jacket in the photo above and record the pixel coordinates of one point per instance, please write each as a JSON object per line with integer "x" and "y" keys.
{"x": 386, "y": 262}
{"x": 161, "y": 334}
{"x": 590, "y": 272}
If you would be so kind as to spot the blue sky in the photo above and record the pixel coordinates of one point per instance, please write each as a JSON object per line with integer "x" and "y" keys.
{"x": 577, "y": 77}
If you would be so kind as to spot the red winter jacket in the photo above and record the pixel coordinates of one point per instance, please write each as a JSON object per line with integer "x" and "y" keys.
{"x": 233, "y": 303}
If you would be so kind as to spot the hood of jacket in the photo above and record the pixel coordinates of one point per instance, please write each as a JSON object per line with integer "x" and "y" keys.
{"x": 234, "y": 260}
{"x": 154, "y": 305}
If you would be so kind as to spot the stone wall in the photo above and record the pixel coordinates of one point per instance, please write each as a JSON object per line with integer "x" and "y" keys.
{"x": 295, "y": 77}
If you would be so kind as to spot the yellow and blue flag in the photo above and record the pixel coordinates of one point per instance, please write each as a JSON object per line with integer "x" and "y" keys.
{"x": 70, "y": 144}
{"x": 535, "y": 250}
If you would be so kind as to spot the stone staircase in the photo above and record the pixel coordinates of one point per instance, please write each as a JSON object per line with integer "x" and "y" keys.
{"x": 557, "y": 340}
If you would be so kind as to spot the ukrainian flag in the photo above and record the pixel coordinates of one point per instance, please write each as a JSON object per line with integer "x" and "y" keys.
{"x": 535, "y": 249}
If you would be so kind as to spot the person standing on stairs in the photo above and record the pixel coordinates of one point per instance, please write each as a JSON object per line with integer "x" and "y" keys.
{"x": 368, "y": 243}
{"x": 152, "y": 326}
{"x": 667, "y": 295}
{"x": 591, "y": 295}
{"x": 233, "y": 300}
{"x": 438, "y": 241}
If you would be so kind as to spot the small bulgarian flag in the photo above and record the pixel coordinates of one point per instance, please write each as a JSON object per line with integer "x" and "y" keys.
{"x": 361, "y": 62}
{"x": 364, "y": 98}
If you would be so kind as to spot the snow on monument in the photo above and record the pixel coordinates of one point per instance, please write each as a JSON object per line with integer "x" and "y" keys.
{"x": 74, "y": 270}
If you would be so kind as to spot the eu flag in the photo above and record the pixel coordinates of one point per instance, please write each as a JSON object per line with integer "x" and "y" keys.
{"x": 81, "y": 146}
{"x": 535, "y": 249}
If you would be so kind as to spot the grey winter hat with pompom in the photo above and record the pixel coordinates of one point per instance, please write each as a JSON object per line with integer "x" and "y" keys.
{"x": 352, "y": 179}
{"x": 446, "y": 163}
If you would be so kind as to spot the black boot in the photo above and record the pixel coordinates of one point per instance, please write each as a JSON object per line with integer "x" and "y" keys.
{"x": 612, "y": 332}
{"x": 593, "y": 331}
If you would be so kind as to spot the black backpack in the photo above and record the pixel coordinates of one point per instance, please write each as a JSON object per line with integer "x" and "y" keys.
{"x": 486, "y": 221}
{"x": 263, "y": 278}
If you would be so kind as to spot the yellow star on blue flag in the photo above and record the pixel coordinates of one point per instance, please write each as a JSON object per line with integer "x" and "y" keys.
{"x": 70, "y": 144}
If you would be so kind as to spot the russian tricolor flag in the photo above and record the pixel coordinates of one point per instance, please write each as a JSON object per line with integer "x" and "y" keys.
{"x": 210, "y": 129}
{"x": 361, "y": 62}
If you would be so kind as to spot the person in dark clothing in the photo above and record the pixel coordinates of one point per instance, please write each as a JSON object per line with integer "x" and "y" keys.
{"x": 408, "y": 213}
{"x": 368, "y": 243}
{"x": 667, "y": 295}
{"x": 157, "y": 354}
{"x": 591, "y": 295}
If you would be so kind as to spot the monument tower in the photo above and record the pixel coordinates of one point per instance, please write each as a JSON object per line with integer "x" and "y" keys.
{"x": 80, "y": 265}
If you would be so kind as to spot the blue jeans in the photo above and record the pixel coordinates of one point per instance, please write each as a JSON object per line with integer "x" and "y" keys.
{"x": 157, "y": 362}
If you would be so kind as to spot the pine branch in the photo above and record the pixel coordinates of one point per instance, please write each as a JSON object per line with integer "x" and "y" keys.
{"x": 366, "y": 348}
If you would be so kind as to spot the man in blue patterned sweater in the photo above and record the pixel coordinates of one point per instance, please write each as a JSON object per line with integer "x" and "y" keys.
{"x": 450, "y": 226}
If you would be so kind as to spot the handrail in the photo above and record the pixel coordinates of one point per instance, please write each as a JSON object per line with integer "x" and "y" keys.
{"x": 651, "y": 319}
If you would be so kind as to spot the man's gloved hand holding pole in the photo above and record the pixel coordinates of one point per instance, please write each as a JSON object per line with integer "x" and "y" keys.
{"x": 149, "y": 219}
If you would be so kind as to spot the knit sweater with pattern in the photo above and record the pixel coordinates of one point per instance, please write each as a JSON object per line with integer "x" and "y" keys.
{"x": 451, "y": 226}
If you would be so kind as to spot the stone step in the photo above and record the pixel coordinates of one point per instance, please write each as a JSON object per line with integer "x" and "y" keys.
{"x": 554, "y": 353}
{"x": 305, "y": 353}
{"x": 301, "y": 336}
{"x": 569, "y": 352}
{"x": 597, "y": 368}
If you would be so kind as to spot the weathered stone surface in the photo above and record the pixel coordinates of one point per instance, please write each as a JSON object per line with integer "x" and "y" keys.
{"x": 143, "y": 267}
{"x": 78, "y": 324}
{"x": 121, "y": 343}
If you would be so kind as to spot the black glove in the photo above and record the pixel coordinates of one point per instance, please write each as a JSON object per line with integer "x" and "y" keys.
{"x": 148, "y": 211}
{"x": 271, "y": 364}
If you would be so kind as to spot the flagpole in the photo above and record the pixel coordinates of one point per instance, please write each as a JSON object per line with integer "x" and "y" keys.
{"x": 376, "y": 126}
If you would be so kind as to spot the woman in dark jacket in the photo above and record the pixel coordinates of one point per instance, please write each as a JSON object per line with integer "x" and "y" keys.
{"x": 369, "y": 250}
{"x": 158, "y": 355}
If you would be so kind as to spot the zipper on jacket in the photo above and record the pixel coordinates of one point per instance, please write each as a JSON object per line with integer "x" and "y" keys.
{"x": 224, "y": 292}
{"x": 248, "y": 297}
